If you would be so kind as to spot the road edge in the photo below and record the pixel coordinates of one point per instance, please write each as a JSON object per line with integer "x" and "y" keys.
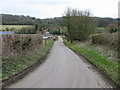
{"x": 96, "y": 68}
{"x": 26, "y": 71}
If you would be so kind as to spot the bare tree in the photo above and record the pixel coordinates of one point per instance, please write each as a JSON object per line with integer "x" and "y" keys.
{"x": 79, "y": 24}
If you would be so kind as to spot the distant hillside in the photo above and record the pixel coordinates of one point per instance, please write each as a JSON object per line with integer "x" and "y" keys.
{"x": 8, "y": 19}
{"x": 103, "y": 22}
{"x": 53, "y": 21}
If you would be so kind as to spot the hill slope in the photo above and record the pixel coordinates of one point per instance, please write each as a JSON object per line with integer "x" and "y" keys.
{"x": 8, "y": 19}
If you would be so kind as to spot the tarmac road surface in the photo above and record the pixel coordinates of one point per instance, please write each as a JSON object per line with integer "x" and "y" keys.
{"x": 62, "y": 69}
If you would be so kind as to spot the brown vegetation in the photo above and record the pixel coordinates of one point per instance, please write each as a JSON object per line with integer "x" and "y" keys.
{"x": 110, "y": 39}
{"x": 19, "y": 43}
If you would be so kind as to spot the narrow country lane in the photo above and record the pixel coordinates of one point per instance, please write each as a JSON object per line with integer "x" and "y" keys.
{"x": 62, "y": 69}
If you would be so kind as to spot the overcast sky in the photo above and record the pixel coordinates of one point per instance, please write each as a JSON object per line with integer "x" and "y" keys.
{"x": 55, "y": 8}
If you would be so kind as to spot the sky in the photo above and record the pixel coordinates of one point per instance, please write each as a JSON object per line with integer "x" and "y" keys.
{"x": 55, "y": 8}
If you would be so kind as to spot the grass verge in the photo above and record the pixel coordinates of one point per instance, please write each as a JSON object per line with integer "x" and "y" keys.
{"x": 13, "y": 65}
{"x": 110, "y": 68}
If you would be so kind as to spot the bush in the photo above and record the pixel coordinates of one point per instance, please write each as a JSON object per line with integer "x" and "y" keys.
{"x": 57, "y": 32}
{"x": 106, "y": 39}
{"x": 15, "y": 44}
{"x": 15, "y": 64}
{"x": 112, "y": 30}
{"x": 26, "y": 30}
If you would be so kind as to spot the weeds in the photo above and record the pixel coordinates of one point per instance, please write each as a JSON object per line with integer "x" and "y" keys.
{"x": 110, "y": 68}
{"x": 110, "y": 39}
{"x": 15, "y": 64}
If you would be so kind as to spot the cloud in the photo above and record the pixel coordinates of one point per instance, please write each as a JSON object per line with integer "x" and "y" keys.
{"x": 55, "y": 8}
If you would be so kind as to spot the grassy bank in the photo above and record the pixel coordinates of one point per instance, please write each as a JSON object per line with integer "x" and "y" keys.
{"x": 109, "y": 67}
{"x": 15, "y": 64}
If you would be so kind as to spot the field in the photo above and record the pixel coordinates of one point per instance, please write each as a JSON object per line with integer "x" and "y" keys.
{"x": 14, "y": 27}
{"x": 102, "y": 30}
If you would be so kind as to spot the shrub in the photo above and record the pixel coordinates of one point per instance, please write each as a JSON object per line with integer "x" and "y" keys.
{"x": 7, "y": 29}
{"x": 112, "y": 30}
{"x": 57, "y": 32}
{"x": 26, "y": 30}
{"x": 106, "y": 39}
{"x": 15, "y": 44}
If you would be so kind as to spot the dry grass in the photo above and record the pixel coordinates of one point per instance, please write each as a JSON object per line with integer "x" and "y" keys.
{"x": 19, "y": 43}
{"x": 16, "y": 64}
{"x": 14, "y": 27}
{"x": 109, "y": 67}
{"x": 104, "y": 50}
{"x": 110, "y": 39}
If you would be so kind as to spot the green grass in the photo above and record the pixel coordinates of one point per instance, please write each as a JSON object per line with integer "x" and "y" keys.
{"x": 13, "y": 65}
{"x": 0, "y": 75}
{"x": 14, "y": 27}
{"x": 110, "y": 68}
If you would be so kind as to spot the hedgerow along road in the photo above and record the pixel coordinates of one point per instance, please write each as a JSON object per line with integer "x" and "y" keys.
{"x": 62, "y": 69}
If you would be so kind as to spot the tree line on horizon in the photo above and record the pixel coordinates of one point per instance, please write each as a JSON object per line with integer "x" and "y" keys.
{"x": 78, "y": 21}
{"x": 8, "y": 19}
